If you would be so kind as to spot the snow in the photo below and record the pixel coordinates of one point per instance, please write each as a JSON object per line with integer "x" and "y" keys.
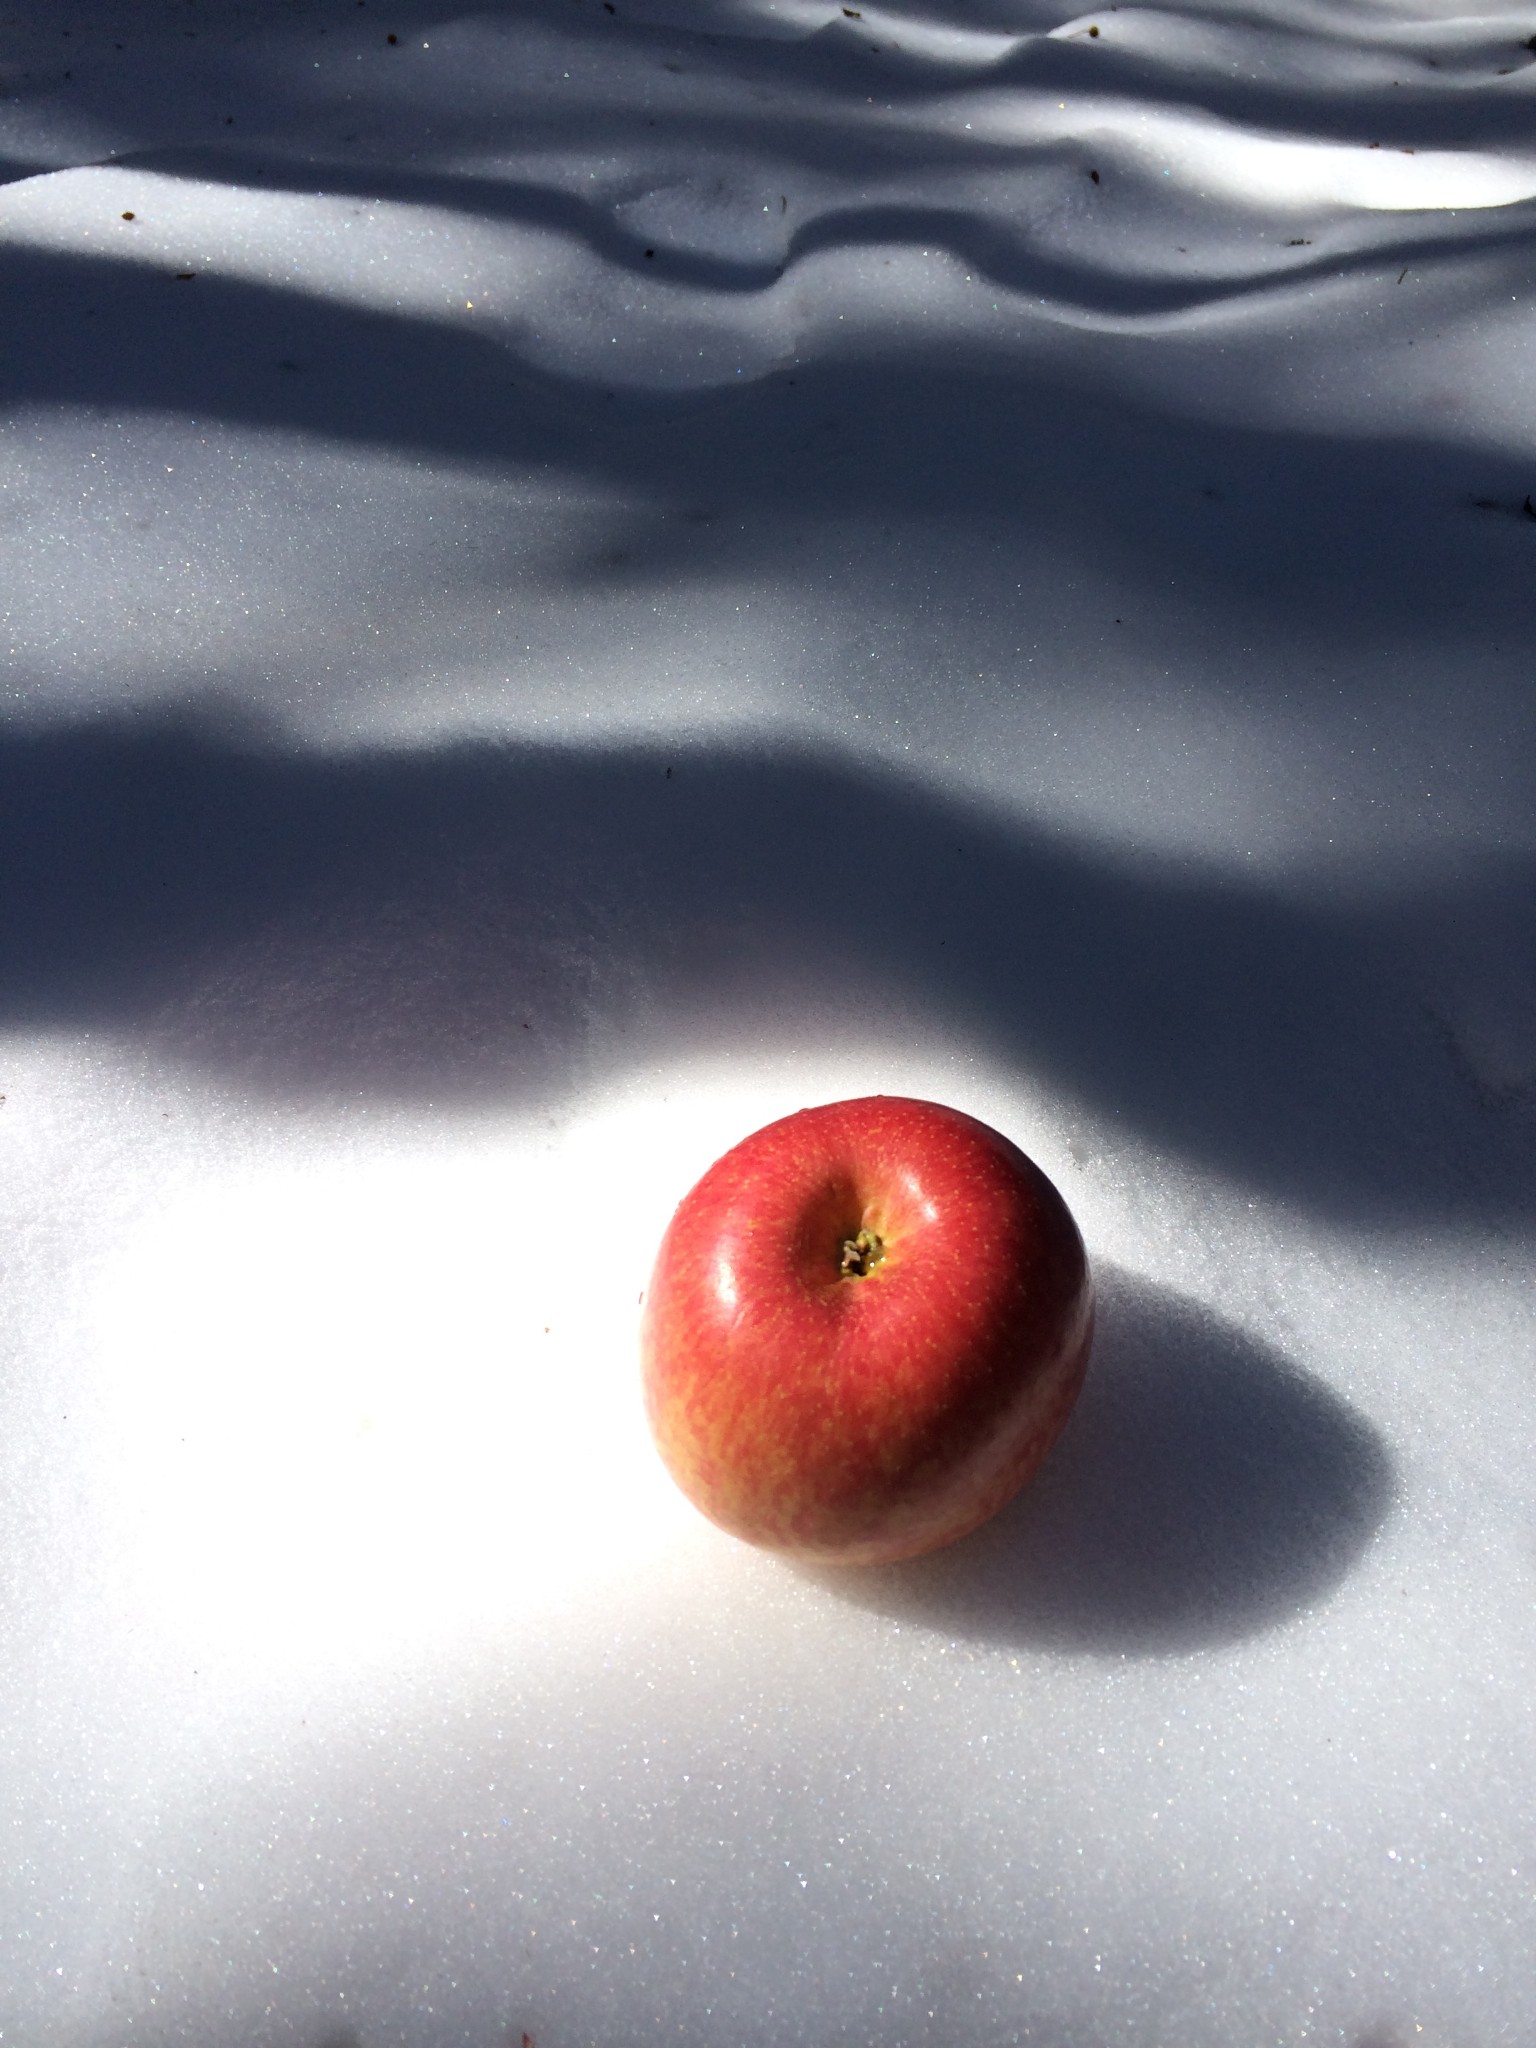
{"x": 577, "y": 580}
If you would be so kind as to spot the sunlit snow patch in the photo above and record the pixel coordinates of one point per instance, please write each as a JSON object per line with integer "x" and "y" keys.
{"x": 1222, "y": 160}
{"x": 377, "y": 1401}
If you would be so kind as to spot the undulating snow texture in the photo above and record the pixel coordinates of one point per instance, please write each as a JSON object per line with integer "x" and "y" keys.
{"x": 574, "y": 577}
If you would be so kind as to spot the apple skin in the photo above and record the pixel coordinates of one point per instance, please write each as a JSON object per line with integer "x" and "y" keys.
{"x": 848, "y": 1417}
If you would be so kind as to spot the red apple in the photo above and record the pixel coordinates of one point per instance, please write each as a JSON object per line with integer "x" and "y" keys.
{"x": 866, "y": 1326}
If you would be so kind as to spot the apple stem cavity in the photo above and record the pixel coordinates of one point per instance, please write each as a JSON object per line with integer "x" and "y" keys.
{"x": 860, "y": 1255}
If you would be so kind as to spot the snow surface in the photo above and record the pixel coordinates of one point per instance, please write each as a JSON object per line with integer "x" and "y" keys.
{"x": 572, "y": 579}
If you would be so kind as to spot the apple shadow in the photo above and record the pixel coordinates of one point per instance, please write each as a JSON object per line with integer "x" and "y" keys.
{"x": 1205, "y": 1489}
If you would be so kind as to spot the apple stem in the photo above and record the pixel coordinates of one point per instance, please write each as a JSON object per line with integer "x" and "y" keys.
{"x": 861, "y": 1255}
